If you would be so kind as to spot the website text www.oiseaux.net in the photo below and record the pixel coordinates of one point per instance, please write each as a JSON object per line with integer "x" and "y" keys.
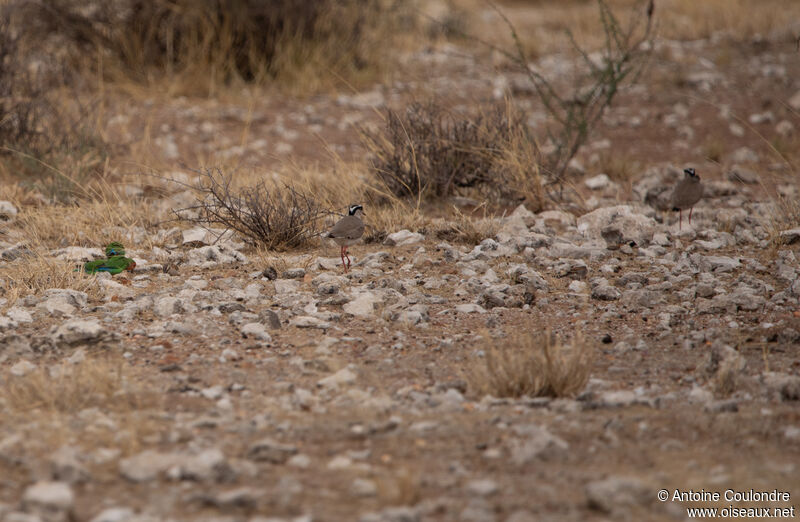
{"x": 730, "y": 495}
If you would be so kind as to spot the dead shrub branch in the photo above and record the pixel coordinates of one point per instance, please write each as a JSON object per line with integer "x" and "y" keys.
{"x": 274, "y": 216}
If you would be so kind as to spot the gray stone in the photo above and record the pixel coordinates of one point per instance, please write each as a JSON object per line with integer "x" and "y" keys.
{"x": 715, "y": 263}
{"x": 743, "y": 175}
{"x": 572, "y": 268}
{"x": 482, "y": 487}
{"x": 15, "y": 252}
{"x": 78, "y": 254}
{"x": 8, "y": 212}
{"x": 782, "y": 386}
{"x": 63, "y": 301}
{"x": 113, "y": 290}
{"x": 242, "y": 498}
{"x": 286, "y": 286}
{"x": 598, "y": 182}
{"x": 785, "y": 128}
{"x": 22, "y": 368}
{"x": 114, "y": 514}
{"x": 168, "y": 305}
{"x": 147, "y": 465}
{"x": 196, "y": 237}
{"x": 343, "y": 376}
{"x": 67, "y": 467}
{"x": 537, "y": 442}
{"x": 306, "y": 321}
{"x": 294, "y": 273}
{"x": 53, "y": 501}
{"x": 208, "y": 465}
{"x": 615, "y": 495}
{"x": 623, "y": 223}
{"x": 790, "y": 237}
{"x": 794, "y": 101}
{"x": 744, "y": 155}
{"x": 78, "y": 332}
{"x": 212, "y": 256}
{"x": 403, "y": 237}
{"x": 256, "y": 331}
{"x": 271, "y": 319}
{"x": 638, "y": 299}
{"x": 602, "y": 290}
{"x": 363, "y": 488}
{"x": 392, "y": 514}
{"x": 19, "y": 315}
{"x": 363, "y": 305}
{"x": 270, "y": 450}
{"x": 470, "y": 308}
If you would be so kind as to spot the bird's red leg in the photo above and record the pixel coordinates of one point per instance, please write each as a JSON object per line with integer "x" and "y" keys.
{"x": 348, "y": 257}
{"x": 341, "y": 252}
{"x": 680, "y": 218}
{"x": 690, "y": 215}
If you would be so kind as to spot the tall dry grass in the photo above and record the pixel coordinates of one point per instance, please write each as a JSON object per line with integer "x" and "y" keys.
{"x": 104, "y": 218}
{"x": 542, "y": 24}
{"x": 428, "y": 152}
{"x": 97, "y": 382}
{"x": 97, "y": 402}
{"x": 528, "y": 364}
{"x": 37, "y": 272}
{"x": 195, "y": 46}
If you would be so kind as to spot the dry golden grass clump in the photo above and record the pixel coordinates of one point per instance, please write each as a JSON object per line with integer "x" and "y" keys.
{"x": 431, "y": 152}
{"x": 463, "y": 228}
{"x": 533, "y": 365}
{"x": 197, "y": 45}
{"x": 96, "y": 221}
{"x": 96, "y": 382}
{"x": 38, "y": 272}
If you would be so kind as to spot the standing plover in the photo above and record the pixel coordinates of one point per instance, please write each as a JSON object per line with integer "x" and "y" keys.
{"x": 348, "y": 231}
{"x": 686, "y": 194}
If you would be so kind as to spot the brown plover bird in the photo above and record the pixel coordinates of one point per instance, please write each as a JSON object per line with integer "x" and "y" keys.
{"x": 686, "y": 194}
{"x": 347, "y": 231}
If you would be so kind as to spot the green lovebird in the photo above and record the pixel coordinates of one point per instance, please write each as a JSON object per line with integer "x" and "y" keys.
{"x": 115, "y": 249}
{"x": 116, "y": 262}
{"x": 113, "y": 265}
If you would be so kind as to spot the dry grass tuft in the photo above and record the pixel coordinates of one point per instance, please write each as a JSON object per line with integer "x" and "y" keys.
{"x": 738, "y": 19}
{"x": 197, "y": 45}
{"x": 42, "y": 122}
{"x": 99, "y": 382}
{"x": 463, "y": 228}
{"x": 428, "y": 151}
{"x": 402, "y": 488}
{"x": 536, "y": 366}
{"x": 618, "y": 166}
{"x": 35, "y": 273}
{"x": 94, "y": 222}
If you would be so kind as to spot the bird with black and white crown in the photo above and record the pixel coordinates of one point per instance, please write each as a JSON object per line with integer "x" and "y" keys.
{"x": 686, "y": 194}
{"x": 347, "y": 231}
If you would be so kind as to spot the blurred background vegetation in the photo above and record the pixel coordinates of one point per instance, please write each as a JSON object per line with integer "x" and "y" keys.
{"x": 63, "y": 62}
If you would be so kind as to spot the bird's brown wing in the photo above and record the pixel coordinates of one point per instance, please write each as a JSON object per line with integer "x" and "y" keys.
{"x": 349, "y": 227}
{"x": 686, "y": 194}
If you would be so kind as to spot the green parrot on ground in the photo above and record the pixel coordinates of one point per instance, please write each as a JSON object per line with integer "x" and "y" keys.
{"x": 114, "y": 264}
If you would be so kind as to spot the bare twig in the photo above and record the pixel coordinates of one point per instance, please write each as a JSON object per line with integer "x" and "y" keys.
{"x": 577, "y": 111}
{"x": 273, "y": 216}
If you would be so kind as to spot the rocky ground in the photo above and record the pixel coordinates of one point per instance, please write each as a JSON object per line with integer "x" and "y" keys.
{"x": 216, "y": 382}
